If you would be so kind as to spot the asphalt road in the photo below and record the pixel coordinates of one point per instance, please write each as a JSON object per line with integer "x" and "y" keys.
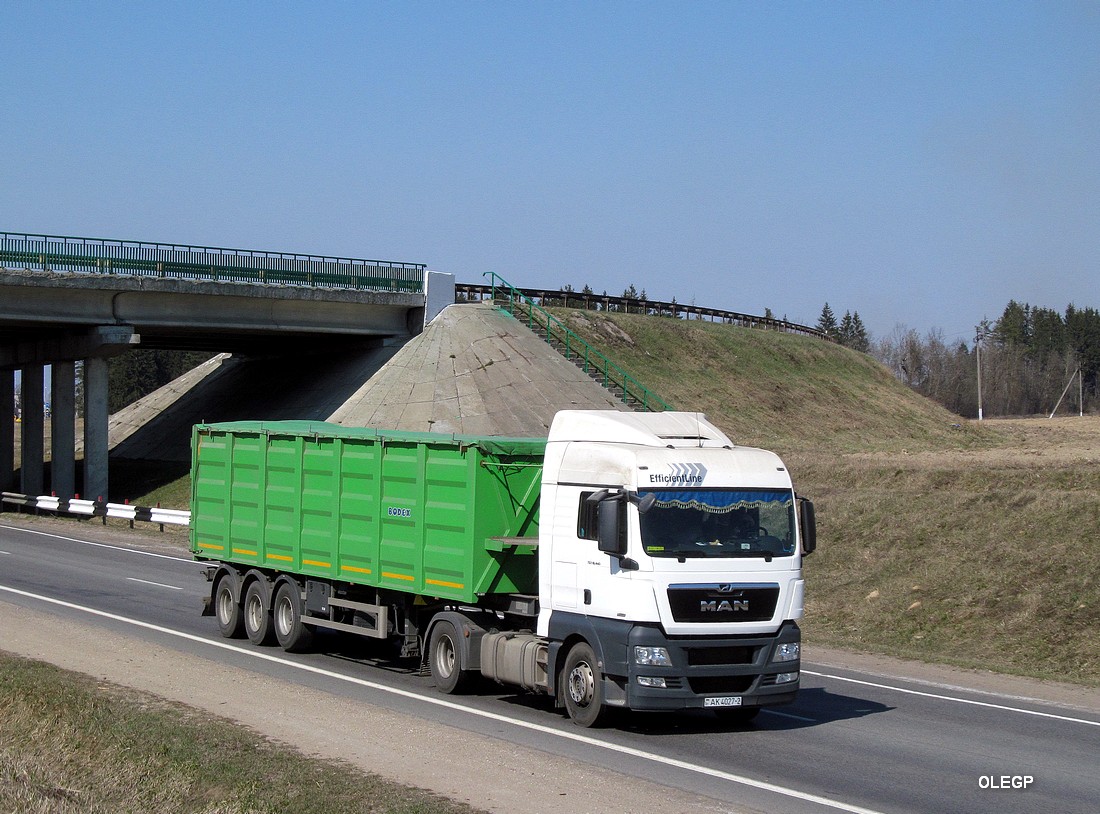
{"x": 853, "y": 741}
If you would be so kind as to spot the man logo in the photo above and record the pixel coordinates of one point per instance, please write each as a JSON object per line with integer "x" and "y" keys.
{"x": 721, "y": 605}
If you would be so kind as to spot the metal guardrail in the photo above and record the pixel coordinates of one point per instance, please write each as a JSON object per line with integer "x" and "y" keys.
{"x": 98, "y": 508}
{"x": 631, "y": 305}
{"x": 572, "y": 347}
{"x": 129, "y": 257}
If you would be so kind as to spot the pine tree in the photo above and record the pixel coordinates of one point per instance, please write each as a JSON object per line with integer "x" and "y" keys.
{"x": 860, "y": 340}
{"x": 826, "y": 323}
{"x": 844, "y": 333}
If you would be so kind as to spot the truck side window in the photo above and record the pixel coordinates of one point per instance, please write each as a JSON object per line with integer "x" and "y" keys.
{"x": 586, "y": 517}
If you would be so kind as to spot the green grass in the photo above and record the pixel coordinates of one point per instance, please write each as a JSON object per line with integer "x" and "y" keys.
{"x": 770, "y": 389}
{"x": 71, "y": 744}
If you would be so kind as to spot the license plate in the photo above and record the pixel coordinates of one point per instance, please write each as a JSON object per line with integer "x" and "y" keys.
{"x": 723, "y": 701}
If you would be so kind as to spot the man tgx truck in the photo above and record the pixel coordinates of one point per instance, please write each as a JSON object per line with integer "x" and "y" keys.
{"x": 638, "y": 561}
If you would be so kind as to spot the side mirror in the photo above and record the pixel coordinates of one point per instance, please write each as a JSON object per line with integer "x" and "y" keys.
{"x": 610, "y": 528}
{"x": 807, "y": 524}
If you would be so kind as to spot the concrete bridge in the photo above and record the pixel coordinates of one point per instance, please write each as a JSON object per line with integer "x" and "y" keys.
{"x": 65, "y": 299}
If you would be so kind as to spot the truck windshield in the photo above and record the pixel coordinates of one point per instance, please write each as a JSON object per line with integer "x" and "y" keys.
{"x": 720, "y": 523}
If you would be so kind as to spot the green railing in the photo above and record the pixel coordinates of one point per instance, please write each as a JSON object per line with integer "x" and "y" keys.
{"x": 572, "y": 347}
{"x": 128, "y": 257}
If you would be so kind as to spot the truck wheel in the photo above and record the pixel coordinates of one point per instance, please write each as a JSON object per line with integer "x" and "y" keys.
{"x": 257, "y": 615}
{"x": 582, "y": 687}
{"x": 444, "y": 660}
{"x": 227, "y": 609}
{"x": 286, "y": 611}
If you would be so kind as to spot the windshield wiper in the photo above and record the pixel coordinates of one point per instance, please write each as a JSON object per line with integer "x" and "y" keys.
{"x": 693, "y": 553}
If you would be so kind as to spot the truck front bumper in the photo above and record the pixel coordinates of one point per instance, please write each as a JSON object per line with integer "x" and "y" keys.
{"x": 706, "y": 671}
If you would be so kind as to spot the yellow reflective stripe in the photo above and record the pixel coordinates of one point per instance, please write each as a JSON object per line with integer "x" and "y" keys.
{"x": 244, "y": 551}
{"x": 444, "y": 583}
{"x": 355, "y": 569}
{"x": 405, "y": 577}
{"x": 280, "y": 557}
{"x": 318, "y": 563}
{"x": 211, "y": 545}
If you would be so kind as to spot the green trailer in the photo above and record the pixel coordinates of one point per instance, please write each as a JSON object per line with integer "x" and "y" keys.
{"x": 440, "y": 517}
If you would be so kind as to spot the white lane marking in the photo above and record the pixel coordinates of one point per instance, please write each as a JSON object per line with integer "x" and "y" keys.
{"x": 938, "y": 697}
{"x": 663, "y": 760}
{"x": 6, "y": 552}
{"x": 97, "y": 545}
{"x": 158, "y": 584}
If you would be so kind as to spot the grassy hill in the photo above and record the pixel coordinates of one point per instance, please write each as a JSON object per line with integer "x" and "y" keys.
{"x": 941, "y": 538}
{"x": 773, "y": 389}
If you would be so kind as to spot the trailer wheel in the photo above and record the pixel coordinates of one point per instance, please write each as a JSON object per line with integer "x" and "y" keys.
{"x": 227, "y": 608}
{"x": 286, "y": 611}
{"x": 444, "y": 660}
{"x": 582, "y": 687}
{"x": 257, "y": 615}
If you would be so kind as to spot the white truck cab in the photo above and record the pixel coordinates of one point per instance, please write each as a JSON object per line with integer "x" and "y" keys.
{"x": 676, "y": 557}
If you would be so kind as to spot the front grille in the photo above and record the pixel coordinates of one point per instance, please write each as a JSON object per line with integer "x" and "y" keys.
{"x": 709, "y": 656}
{"x": 723, "y": 602}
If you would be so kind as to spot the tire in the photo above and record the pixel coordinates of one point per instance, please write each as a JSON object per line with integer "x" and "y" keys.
{"x": 582, "y": 687}
{"x": 286, "y": 616}
{"x": 227, "y": 608}
{"x": 444, "y": 659}
{"x": 738, "y": 716}
{"x": 257, "y": 615}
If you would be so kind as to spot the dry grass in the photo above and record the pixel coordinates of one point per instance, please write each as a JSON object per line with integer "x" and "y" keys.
{"x": 982, "y": 558}
{"x": 70, "y": 745}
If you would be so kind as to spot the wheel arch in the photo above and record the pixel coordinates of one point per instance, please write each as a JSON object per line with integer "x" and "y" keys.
{"x": 470, "y": 630}
{"x": 570, "y": 629}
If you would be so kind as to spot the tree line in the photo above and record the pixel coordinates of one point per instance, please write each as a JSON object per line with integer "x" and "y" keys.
{"x": 1028, "y": 358}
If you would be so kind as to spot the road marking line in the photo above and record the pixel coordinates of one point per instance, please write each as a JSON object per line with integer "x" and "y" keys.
{"x": 97, "y": 545}
{"x": 663, "y": 760}
{"x": 158, "y": 584}
{"x": 938, "y": 697}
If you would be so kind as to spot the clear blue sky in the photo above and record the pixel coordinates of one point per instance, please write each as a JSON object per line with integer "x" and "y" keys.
{"x": 920, "y": 163}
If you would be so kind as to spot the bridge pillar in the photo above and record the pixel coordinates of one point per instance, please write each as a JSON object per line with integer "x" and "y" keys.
{"x": 31, "y": 435}
{"x": 7, "y": 430}
{"x": 95, "y": 428}
{"x": 63, "y": 429}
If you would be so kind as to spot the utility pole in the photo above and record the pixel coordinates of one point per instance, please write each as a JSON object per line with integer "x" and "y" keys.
{"x": 978, "y": 354}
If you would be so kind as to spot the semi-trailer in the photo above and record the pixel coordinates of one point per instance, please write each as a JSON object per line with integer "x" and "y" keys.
{"x": 638, "y": 561}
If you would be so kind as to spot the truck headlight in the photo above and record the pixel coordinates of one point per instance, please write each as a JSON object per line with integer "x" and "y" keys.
{"x": 786, "y": 678}
{"x": 788, "y": 651}
{"x": 652, "y": 656}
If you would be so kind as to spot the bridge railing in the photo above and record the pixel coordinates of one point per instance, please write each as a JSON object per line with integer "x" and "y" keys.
{"x": 637, "y": 305}
{"x": 128, "y": 257}
{"x": 572, "y": 347}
